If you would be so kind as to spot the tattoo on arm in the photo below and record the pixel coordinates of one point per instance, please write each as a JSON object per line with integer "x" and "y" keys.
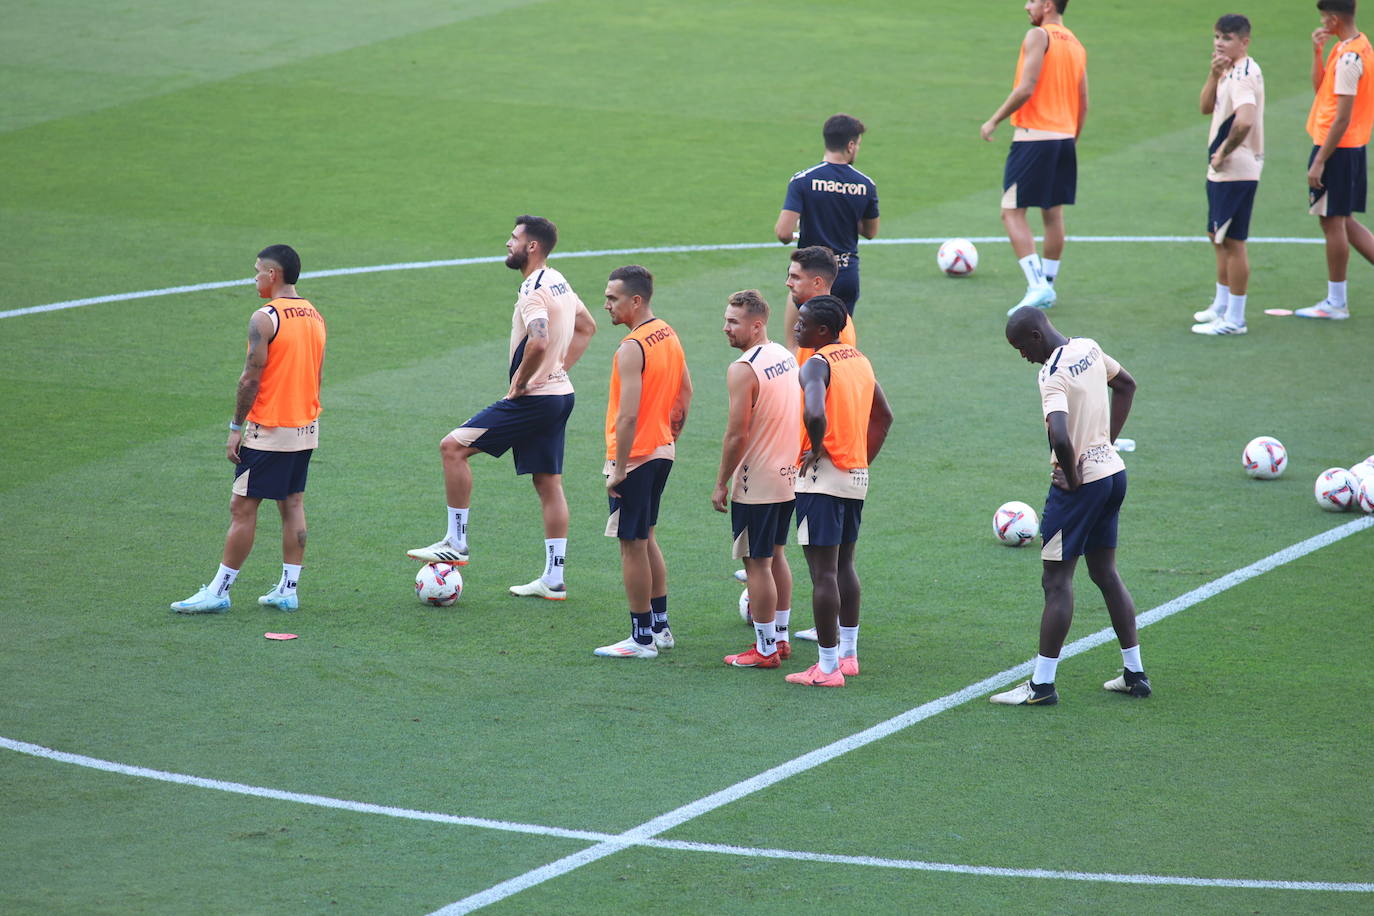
{"x": 539, "y": 327}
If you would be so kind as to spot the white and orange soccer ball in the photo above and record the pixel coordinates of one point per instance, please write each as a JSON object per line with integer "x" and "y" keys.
{"x": 1264, "y": 458}
{"x": 438, "y": 584}
{"x": 1364, "y": 498}
{"x": 1363, "y": 469}
{"x": 1015, "y": 524}
{"x": 957, "y": 257}
{"x": 1335, "y": 489}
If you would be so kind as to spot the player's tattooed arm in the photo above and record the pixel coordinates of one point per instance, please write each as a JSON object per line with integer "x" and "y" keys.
{"x": 259, "y": 331}
{"x": 536, "y": 342}
{"x": 538, "y": 328}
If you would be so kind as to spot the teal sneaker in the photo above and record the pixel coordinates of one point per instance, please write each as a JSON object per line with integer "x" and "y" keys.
{"x": 1042, "y": 297}
{"x": 280, "y": 600}
{"x": 204, "y": 601}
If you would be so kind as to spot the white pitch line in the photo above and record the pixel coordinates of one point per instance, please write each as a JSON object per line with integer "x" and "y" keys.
{"x": 321, "y": 801}
{"x": 996, "y": 872}
{"x": 605, "y": 252}
{"x": 650, "y": 829}
{"x": 35, "y": 750}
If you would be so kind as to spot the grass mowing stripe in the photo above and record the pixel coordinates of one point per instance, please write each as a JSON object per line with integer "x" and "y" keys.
{"x": 606, "y": 252}
{"x": 997, "y": 872}
{"x": 321, "y": 801}
{"x": 679, "y": 816}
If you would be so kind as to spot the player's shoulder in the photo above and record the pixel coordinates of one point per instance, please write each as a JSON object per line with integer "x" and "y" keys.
{"x": 807, "y": 171}
{"x": 862, "y": 177}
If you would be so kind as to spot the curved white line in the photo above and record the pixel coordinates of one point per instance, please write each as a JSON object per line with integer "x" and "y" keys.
{"x": 604, "y": 252}
{"x": 620, "y": 842}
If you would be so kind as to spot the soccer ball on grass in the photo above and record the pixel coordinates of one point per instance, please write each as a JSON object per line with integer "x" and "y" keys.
{"x": 957, "y": 257}
{"x": 1015, "y": 524}
{"x": 1335, "y": 489}
{"x": 1264, "y": 458}
{"x": 438, "y": 584}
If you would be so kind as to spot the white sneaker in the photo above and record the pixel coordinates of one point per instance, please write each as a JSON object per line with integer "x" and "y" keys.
{"x": 741, "y": 576}
{"x": 204, "y": 601}
{"x": 1211, "y": 313}
{"x": 1219, "y": 327}
{"x": 627, "y": 648}
{"x": 808, "y": 635}
{"x": 1325, "y": 309}
{"x": 444, "y": 551}
{"x": 540, "y": 589}
{"x": 1027, "y": 694}
{"x": 280, "y": 600}
{"x": 663, "y": 639}
{"x": 1042, "y": 297}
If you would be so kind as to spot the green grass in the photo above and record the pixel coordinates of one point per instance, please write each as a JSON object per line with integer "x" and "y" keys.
{"x": 162, "y": 145}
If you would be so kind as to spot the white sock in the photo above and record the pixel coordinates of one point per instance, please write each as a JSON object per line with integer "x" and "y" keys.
{"x": 224, "y": 580}
{"x": 1035, "y": 274}
{"x": 1050, "y": 268}
{"x": 555, "y": 553}
{"x": 290, "y": 576}
{"x": 782, "y": 620}
{"x": 830, "y": 658}
{"x": 849, "y": 641}
{"x": 1235, "y": 309}
{"x": 1130, "y": 659}
{"x": 1222, "y": 297}
{"x": 1335, "y": 293}
{"x": 458, "y": 527}
{"x": 1045, "y": 669}
{"x": 766, "y": 637}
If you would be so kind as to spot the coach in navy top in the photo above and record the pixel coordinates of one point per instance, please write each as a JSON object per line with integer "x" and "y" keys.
{"x": 834, "y": 203}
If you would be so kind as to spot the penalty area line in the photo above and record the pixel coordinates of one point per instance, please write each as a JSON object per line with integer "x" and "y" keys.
{"x": 650, "y": 829}
{"x": 599, "y": 253}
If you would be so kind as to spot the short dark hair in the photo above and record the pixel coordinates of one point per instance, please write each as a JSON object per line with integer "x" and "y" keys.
{"x": 541, "y": 230}
{"x": 285, "y": 257}
{"x": 751, "y": 300}
{"x": 829, "y": 311}
{"x": 1339, "y": 7}
{"x": 1234, "y": 24}
{"x": 1061, "y": 5}
{"x": 818, "y": 260}
{"x": 839, "y": 130}
{"x": 638, "y": 281}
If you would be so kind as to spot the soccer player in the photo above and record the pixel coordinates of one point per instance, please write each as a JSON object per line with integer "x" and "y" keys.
{"x": 846, "y": 419}
{"x": 651, "y": 391}
{"x": 550, "y": 330}
{"x": 811, "y": 273}
{"x": 274, "y": 431}
{"x": 1047, "y": 106}
{"x": 758, "y": 453}
{"x": 835, "y": 203}
{"x": 1087, "y": 485}
{"x": 1234, "y": 96}
{"x": 1339, "y": 123}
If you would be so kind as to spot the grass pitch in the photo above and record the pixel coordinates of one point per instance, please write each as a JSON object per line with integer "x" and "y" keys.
{"x": 163, "y": 145}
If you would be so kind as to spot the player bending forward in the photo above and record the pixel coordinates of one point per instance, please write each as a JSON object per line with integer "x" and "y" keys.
{"x": 1087, "y": 485}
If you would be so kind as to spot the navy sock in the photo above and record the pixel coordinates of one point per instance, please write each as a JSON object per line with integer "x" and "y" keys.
{"x": 659, "y": 608}
{"x": 641, "y": 627}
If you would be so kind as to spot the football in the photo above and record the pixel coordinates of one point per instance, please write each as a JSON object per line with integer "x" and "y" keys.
{"x": 1364, "y": 498}
{"x": 1362, "y": 470}
{"x": 744, "y": 608}
{"x": 1264, "y": 458}
{"x": 957, "y": 257}
{"x": 1335, "y": 489}
{"x": 1015, "y": 524}
{"x": 438, "y": 584}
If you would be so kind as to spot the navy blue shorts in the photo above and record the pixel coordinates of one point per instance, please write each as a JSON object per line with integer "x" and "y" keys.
{"x": 759, "y": 527}
{"x": 1229, "y": 205}
{"x": 635, "y": 511}
{"x": 1343, "y": 183}
{"x": 270, "y": 475}
{"x": 1082, "y": 521}
{"x": 1042, "y": 173}
{"x": 827, "y": 521}
{"x": 846, "y": 285}
{"x": 533, "y": 426}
